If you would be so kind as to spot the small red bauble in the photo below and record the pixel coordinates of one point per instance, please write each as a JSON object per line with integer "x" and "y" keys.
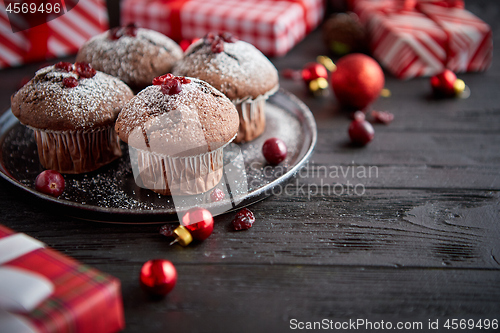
{"x": 361, "y": 132}
{"x": 158, "y": 277}
{"x": 50, "y": 182}
{"x": 357, "y": 81}
{"x": 243, "y": 220}
{"x": 199, "y": 222}
{"x": 313, "y": 71}
{"x": 442, "y": 84}
{"x": 274, "y": 151}
{"x": 446, "y": 84}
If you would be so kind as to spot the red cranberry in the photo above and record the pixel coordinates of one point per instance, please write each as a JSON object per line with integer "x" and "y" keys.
{"x": 183, "y": 79}
{"x": 361, "y": 132}
{"x": 358, "y": 115}
{"x": 85, "y": 70}
{"x": 274, "y": 151}
{"x": 209, "y": 38}
{"x": 383, "y": 117}
{"x": 228, "y": 37}
{"x": 171, "y": 87}
{"x": 199, "y": 222}
{"x": 65, "y": 66}
{"x": 243, "y": 220}
{"x": 217, "y": 46}
{"x": 70, "y": 82}
{"x": 115, "y": 33}
{"x": 217, "y": 194}
{"x": 161, "y": 79}
{"x": 216, "y": 41}
{"x": 131, "y": 30}
{"x": 167, "y": 230}
{"x": 50, "y": 182}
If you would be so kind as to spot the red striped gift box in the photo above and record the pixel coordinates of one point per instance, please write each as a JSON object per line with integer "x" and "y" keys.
{"x": 58, "y": 37}
{"x": 83, "y": 299}
{"x": 423, "y": 37}
{"x": 274, "y": 27}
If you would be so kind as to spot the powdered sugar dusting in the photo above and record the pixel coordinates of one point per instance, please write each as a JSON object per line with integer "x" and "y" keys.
{"x": 45, "y": 103}
{"x": 135, "y": 60}
{"x": 175, "y": 119}
{"x": 240, "y": 71}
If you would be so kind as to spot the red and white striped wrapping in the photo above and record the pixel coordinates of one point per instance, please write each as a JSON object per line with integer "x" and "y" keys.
{"x": 274, "y": 27}
{"x": 470, "y": 43}
{"x": 59, "y": 37}
{"x": 407, "y": 43}
{"x": 424, "y": 38}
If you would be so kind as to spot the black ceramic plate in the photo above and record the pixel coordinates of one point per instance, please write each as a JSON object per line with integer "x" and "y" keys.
{"x": 111, "y": 194}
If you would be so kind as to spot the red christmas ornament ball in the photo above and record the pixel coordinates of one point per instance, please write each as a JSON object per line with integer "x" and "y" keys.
{"x": 158, "y": 277}
{"x": 443, "y": 83}
{"x": 313, "y": 71}
{"x": 358, "y": 80}
{"x": 199, "y": 222}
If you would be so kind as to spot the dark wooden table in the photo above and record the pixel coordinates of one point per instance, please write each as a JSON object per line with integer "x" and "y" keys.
{"x": 421, "y": 244}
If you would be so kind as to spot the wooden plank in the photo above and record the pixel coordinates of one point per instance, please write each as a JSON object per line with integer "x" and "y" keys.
{"x": 400, "y": 176}
{"x": 267, "y": 298}
{"x": 415, "y": 228}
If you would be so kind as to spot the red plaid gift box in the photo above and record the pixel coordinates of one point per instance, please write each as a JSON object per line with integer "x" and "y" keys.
{"x": 421, "y": 38}
{"x": 274, "y": 27}
{"x": 82, "y": 299}
{"x": 58, "y": 37}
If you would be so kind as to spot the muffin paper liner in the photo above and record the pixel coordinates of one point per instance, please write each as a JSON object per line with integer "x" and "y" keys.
{"x": 77, "y": 151}
{"x": 252, "y": 116}
{"x": 177, "y": 175}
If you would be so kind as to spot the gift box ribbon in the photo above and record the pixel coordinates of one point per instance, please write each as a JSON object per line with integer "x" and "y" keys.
{"x": 21, "y": 290}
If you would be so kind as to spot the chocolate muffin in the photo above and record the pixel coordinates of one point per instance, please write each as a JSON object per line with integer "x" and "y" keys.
{"x": 72, "y": 109}
{"x": 176, "y": 130}
{"x": 134, "y": 55}
{"x": 239, "y": 71}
